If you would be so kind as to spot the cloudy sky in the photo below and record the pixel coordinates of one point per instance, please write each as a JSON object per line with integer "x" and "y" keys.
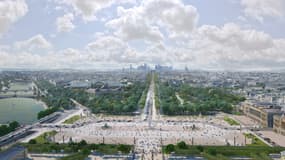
{"x": 102, "y": 34}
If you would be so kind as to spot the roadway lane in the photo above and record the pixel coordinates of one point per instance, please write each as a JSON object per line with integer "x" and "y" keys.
{"x": 149, "y": 113}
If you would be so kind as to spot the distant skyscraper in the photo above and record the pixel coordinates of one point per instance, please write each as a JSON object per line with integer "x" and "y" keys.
{"x": 163, "y": 68}
{"x": 186, "y": 69}
{"x": 143, "y": 67}
{"x": 131, "y": 67}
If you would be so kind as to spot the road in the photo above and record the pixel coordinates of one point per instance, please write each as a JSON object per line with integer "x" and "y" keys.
{"x": 25, "y": 131}
{"x": 179, "y": 98}
{"x": 149, "y": 144}
{"x": 150, "y": 113}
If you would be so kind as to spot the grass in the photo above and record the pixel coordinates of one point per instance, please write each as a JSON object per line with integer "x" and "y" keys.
{"x": 71, "y": 120}
{"x": 225, "y": 152}
{"x": 230, "y": 121}
{"x": 44, "y": 138}
{"x": 237, "y": 113}
{"x": 254, "y": 140}
{"x": 142, "y": 99}
{"x": 73, "y": 148}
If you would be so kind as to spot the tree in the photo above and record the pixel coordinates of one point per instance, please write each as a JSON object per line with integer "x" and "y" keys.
{"x": 123, "y": 148}
{"x": 85, "y": 151}
{"x": 32, "y": 141}
{"x": 14, "y": 125}
{"x": 182, "y": 145}
{"x": 47, "y": 112}
{"x": 5, "y": 129}
{"x": 169, "y": 148}
{"x": 200, "y": 148}
{"x": 82, "y": 143}
{"x": 212, "y": 151}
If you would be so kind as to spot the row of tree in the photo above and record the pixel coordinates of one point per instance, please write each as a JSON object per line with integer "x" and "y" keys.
{"x": 4, "y": 82}
{"x": 123, "y": 102}
{"x": 74, "y": 147}
{"x": 56, "y": 97}
{"x": 47, "y": 112}
{"x": 142, "y": 100}
{"x": 5, "y": 129}
{"x": 196, "y": 99}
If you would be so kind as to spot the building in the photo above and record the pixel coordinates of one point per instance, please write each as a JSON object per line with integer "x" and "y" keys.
{"x": 262, "y": 113}
{"x": 143, "y": 67}
{"x": 79, "y": 84}
{"x": 279, "y": 124}
{"x": 163, "y": 68}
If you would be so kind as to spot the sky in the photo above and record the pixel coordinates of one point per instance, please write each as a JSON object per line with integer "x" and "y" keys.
{"x": 109, "y": 34}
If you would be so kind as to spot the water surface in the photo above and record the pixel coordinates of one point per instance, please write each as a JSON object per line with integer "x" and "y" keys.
{"x": 23, "y": 110}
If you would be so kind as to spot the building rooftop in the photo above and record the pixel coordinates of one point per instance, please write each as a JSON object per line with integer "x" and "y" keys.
{"x": 273, "y": 111}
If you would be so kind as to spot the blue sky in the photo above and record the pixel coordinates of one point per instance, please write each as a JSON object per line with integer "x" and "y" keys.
{"x": 204, "y": 34}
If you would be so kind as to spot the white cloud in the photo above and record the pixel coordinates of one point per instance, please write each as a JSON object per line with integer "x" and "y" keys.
{"x": 210, "y": 47}
{"x": 89, "y": 8}
{"x": 10, "y": 12}
{"x": 133, "y": 26}
{"x": 259, "y": 9}
{"x": 72, "y": 58}
{"x": 144, "y": 21}
{"x": 232, "y": 35}
{"x": 109, "y": 48}
{"x": 169, "y": 28}
{"x": 157, "y": 54}
{"x": 177, "y": 17}
{"x": 231, "y": 47}
{"x": 64, "y": 23}
{"x": 69, "y": 57}
{"x": 35, "y": 42}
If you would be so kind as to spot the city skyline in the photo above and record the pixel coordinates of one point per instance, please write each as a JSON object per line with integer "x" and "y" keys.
{"x": 225, "y": 35}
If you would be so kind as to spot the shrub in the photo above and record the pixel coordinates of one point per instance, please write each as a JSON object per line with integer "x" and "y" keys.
{"x": 32, "y": 141}
{"x": 123, "y": 148}
{"x": 82, "y": 143}
{"x": 200, "y": 148}
{"x": 169, "y": 148}
{"x": 182, "y": 145}
{"x": 212, "y": 151}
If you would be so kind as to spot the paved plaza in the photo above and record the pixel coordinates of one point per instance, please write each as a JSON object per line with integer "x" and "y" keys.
{"x": 150, "y": 139}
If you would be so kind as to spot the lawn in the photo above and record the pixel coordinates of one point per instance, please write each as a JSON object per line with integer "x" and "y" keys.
{"x": 45, "y": 137}
{"x": 230, "y": 121}
{"x": 72, "y": 119}
{"x": 142, "y": 99}
{"x": 254, "y": 140}
{"x": 75, "y": 147}
{"x": 225, "y": 152}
